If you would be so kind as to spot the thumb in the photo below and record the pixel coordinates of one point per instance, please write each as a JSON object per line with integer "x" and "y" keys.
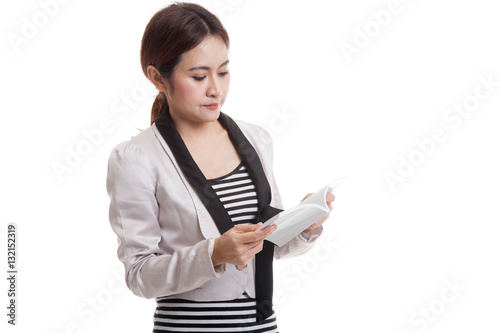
{"x": 307, "y": 196}
{"x": 247, "y": 227}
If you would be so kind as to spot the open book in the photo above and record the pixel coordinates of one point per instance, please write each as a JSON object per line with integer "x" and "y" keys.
{"x": 293, "y": 221}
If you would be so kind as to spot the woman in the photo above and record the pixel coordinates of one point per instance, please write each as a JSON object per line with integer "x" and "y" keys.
{"x": 188, "y": 193}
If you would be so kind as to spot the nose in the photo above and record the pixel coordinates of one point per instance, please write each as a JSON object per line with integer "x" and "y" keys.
{"x": 215, "y": 89}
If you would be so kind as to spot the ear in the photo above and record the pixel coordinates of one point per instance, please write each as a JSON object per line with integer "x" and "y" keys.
{"x": 156, "y": 78}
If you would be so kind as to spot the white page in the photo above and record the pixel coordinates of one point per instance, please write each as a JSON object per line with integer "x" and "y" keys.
{"x": 293, "y": 221}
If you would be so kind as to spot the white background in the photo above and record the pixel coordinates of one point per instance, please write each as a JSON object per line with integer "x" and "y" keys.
{"x": 387, "y": 252}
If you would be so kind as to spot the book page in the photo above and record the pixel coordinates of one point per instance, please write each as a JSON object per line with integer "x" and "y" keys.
{"x": 293, "y": 221}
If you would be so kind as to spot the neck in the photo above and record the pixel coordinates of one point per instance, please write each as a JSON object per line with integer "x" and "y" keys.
{"x": 190, "y": 130}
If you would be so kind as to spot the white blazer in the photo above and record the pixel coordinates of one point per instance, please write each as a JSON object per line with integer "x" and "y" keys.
{"x": 165, "y": 233}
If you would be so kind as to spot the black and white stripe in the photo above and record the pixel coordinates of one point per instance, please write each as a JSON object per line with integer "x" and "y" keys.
{"x": 239, "y": 315}
{"x": 237, "y": 193}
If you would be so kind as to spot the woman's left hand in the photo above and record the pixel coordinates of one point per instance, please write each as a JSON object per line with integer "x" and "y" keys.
{"x": 329, "y": 199}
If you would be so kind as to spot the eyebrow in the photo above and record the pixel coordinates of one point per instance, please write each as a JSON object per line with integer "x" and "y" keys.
{"x": 206, "y": 67}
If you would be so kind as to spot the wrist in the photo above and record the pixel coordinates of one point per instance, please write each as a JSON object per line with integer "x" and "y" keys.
{"x": 216, "y": 259}
{"x": 309, "y": 235}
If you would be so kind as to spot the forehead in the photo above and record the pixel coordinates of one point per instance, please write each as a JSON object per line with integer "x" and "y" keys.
{"x": 211, "y": 52}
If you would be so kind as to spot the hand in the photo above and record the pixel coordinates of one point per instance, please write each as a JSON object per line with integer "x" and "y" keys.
{"x": 329, "y": 199}
{"x": 239, "y": 244}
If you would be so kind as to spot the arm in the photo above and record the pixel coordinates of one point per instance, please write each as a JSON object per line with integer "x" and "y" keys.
{"x": 133, "y": 214}
{"x": 298, "y": 245}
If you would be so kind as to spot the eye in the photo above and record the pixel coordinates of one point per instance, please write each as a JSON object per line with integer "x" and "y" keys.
{"x": 198, "y": 78}
{"x": 224, "y": 73}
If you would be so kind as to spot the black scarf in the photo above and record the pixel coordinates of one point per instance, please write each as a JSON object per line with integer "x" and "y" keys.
{"x": 263, "y": 259}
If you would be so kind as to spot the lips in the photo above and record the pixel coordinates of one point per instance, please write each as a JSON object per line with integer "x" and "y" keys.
{"x": 212, "y": 106}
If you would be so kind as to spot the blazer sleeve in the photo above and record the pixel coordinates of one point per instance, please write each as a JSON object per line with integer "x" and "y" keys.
{"x": 303, "y": 242}
{"x": 133, "y": 214}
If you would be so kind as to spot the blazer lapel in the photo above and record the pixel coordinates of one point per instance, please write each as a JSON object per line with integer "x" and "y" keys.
{"x": 252, "y": 162}
{"x": 192, "y": 172}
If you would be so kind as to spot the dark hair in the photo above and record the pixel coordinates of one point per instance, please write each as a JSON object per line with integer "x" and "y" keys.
{"x": 171, "y": 32}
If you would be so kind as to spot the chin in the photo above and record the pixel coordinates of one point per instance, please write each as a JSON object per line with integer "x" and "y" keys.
{"x": 210, "y": 115}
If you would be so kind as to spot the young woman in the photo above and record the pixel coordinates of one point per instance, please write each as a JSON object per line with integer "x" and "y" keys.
{"x": 188, "y": 193}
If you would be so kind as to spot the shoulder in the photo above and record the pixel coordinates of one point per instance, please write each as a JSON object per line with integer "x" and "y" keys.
{"x": 130, "y": 166}
{"x": 257, "y": 134}
{"x": 134, "y": 149}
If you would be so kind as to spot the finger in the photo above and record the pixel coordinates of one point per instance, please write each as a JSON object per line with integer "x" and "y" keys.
{"x": 307, "y": 196}
{"x": 247, "y": 227}
{"x": 254, "y": 247}
{"x": 319, "y": 222}
{"x": 267, "y": 230}
{"x": 258, "y": 235}
{"x": 330, "y": 197}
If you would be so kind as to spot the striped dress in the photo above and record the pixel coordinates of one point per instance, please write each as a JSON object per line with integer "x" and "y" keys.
{"x": 237, "y": 193}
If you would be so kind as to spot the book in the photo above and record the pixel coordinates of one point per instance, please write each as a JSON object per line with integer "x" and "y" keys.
{"x": 293, "y": 221}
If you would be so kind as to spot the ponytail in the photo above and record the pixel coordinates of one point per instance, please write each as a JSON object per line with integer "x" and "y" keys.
{"x": 158, "y": 105}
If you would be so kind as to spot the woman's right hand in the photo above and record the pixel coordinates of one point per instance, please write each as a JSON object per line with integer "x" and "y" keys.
{"x": 239, "y": 244}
